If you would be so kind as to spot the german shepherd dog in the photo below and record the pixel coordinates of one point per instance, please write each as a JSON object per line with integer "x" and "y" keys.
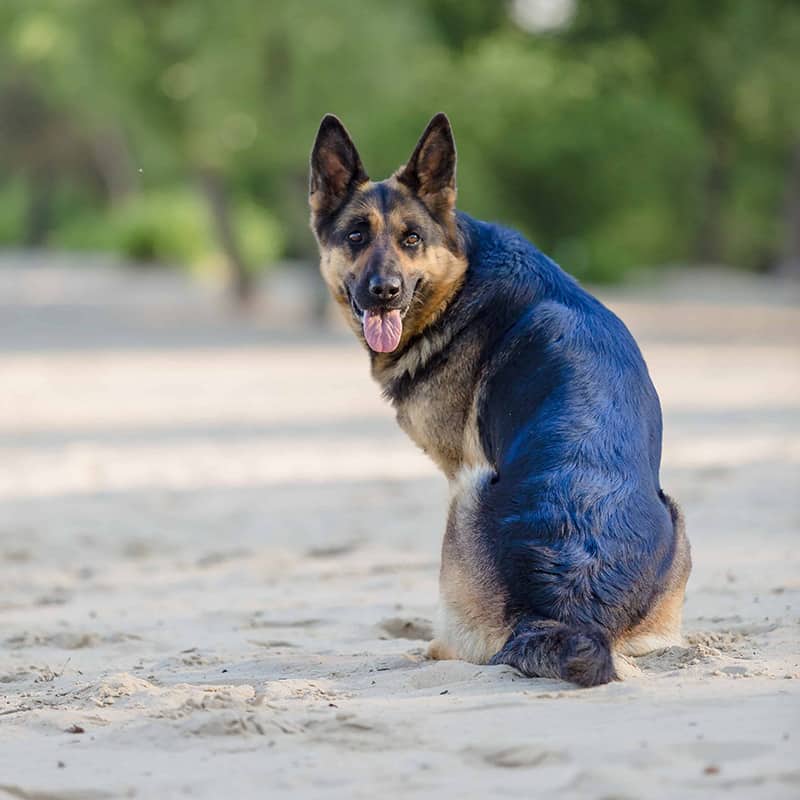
{"x": 561, "y": 549}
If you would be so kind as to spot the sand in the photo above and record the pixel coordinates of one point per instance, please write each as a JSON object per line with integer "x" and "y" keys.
{"x": 219, "y": 556}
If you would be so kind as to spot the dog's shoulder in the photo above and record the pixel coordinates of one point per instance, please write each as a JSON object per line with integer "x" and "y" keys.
{"x": 533, "y": 309}
{"x": 558, "y": 365}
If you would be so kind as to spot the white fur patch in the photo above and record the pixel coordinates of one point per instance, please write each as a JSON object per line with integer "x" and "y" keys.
{"x": 470, "y": 642}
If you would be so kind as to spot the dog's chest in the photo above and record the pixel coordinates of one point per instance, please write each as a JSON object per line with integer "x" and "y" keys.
{"x": 438, "y": 412}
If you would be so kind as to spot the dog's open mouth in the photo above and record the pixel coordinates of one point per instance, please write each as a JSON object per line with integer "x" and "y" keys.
{"x": 382, "y": 327}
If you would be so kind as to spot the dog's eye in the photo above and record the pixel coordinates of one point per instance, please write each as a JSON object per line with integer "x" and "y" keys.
{"x": 412, "y": 240}
{"x": 355, "y": 237}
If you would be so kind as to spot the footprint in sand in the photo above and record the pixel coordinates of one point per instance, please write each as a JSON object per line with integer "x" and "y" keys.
{"x": 435, "y": 674}
{"x": 345, "y": 730}
{"x": 414, "y": 628}
{"x": 19, "y": 793}
{"x": 231, "y": 723}
{"x": 65, "y": 640}
{"x": 333, "y": 550}
{"x": 270, "y": 644}
{"x": 722, "y": 751}
{"x": 521, "y": 756}
{"x": 18, "y": 676}
{"x": 257, "y": 621}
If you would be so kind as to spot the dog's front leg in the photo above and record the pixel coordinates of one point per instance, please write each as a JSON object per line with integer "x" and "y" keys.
{"x": 440, "y": 651}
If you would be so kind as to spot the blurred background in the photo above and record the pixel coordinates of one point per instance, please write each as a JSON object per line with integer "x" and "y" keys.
{"x": 619, "y": 134}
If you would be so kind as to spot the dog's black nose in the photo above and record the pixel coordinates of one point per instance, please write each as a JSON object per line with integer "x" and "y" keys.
{"x": 385, "y": 287}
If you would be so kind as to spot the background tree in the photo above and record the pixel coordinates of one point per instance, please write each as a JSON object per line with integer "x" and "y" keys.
{"x": 616, "y": 133}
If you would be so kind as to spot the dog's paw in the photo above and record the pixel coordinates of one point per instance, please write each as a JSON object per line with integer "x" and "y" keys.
{"x": 439, "y": 651}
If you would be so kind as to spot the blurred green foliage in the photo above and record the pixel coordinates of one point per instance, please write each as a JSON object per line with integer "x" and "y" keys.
{"x": 168, "y": 226}
{"x": 617, "y": 133}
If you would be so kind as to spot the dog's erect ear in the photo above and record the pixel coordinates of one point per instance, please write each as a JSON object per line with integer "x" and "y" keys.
{"x": 431, "y": 170}
{"x": 335, "y": 167}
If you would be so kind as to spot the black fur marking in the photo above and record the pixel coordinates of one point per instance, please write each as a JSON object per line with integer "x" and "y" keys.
{"x": 385, "y": 197}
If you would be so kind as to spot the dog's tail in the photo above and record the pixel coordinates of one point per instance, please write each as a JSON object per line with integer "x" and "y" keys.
{"x": 550, "y": 649}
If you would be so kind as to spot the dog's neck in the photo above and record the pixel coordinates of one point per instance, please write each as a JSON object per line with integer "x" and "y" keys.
{"x": 394, "y": 374}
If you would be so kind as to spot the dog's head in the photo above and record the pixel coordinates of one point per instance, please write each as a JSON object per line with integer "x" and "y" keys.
{"x": 390, "y": 251}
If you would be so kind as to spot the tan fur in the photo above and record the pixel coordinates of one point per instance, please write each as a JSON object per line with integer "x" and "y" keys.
{"x": 472, "y": 454}
{"x": 471, "y": 622}
{"x": 438, "y": 413}
{"x": 438, "y": 651}
{"x": 363, "y": 208}
{"x": 444, "y": 273}
{"x": 333, "y": 265}
{"x": 662, "y": 626}
{"x": 444, "y": 200}
{"x": 441, "y": 417}
{"x": 412, "y": 359}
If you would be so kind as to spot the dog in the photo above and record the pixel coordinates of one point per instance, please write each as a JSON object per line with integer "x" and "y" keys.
{"x": 561, "y": 550}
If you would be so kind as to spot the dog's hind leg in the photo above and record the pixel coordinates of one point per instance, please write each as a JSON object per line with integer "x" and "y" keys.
{"x": 471, "y": 622}
{"x": 551, "y": 649}
{"x": 661, "y": 627}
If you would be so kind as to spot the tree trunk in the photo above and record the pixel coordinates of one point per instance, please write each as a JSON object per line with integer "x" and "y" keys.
{"x": 113, "y": 160}
{"x": 240, "y": 280}
{"x": 789, "y": 264}
{"x": 710, "y": 242}
{"x": 39, "y": 213}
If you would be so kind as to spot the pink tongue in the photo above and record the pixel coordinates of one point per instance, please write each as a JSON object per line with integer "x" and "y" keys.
{"x": 382, "y": 330}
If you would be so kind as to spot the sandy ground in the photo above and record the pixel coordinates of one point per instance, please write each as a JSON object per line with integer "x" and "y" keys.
{"x": 218, "y": 564}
